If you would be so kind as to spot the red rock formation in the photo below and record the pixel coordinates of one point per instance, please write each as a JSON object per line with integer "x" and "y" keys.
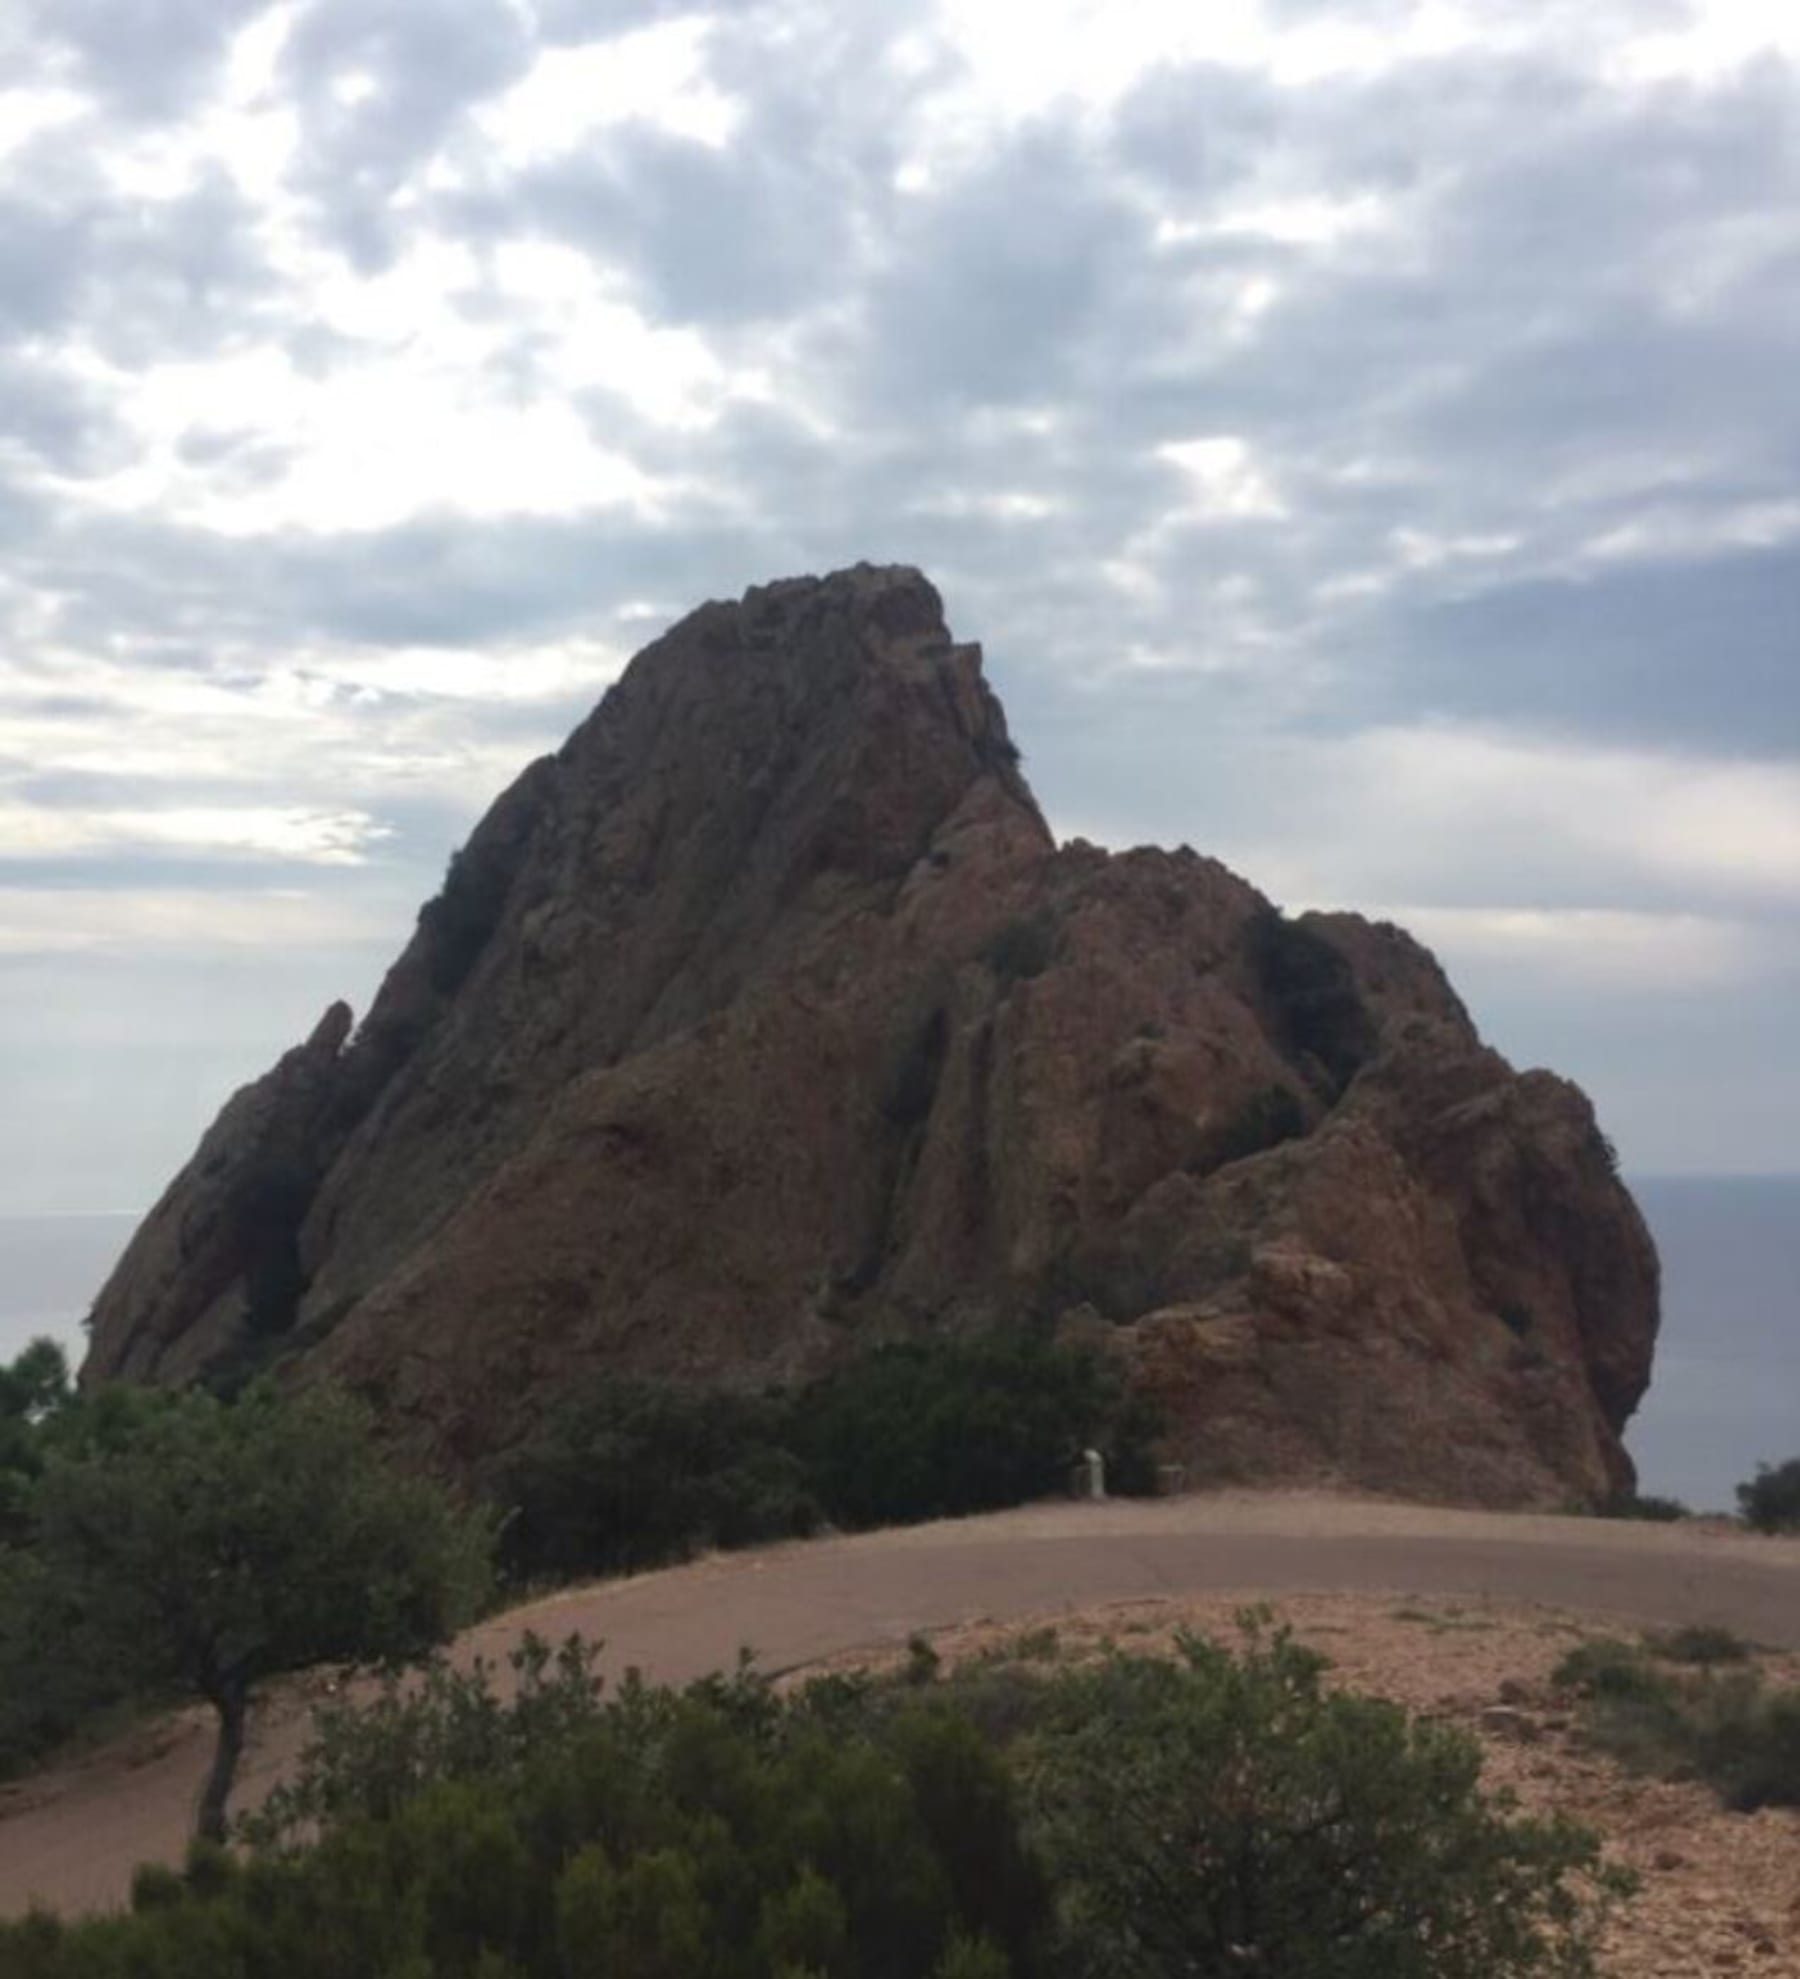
{"x": 765, "y": 1020}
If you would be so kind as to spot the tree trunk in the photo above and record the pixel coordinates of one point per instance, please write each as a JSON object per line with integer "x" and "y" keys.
{"x": 231, "y": 1701}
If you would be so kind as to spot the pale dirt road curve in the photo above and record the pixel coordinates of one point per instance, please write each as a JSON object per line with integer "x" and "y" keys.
{"x": 71, "y": 1838}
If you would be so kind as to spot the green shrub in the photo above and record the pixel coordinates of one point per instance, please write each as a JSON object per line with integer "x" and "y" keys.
{"x": 1221, "y": 1814}
{"x": 1216, "y": 1814}
{"x": 365, "y": 1760}
{"x": 1755, "y": 1759}
{"x": 937, "y": 1429}
{"x": 1268, "y": 1117}
{"x": 45, "y": 1694}
{"x": 719, "y": 1830}
{"x": 34, "y": 1390}
{"x": 1770, "y": 1501}
{"x": 1606, "y": 1667}
{"x": 1308, "y": 990}
{"x": 1719, "y": 1725}
{"x": 1022, "y": 949}
{"x": 629, "y": 1474}
{"x": 460, "y": 920}
{"x": 1639, "y": 1505}
{"x": 1702, "y": 1643}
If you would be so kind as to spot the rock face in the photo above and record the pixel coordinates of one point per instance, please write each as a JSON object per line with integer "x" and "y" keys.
{"x": 765, "y": 1020}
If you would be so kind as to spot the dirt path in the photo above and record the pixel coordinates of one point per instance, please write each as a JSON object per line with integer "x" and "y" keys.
{"x": 71, "y": 1838}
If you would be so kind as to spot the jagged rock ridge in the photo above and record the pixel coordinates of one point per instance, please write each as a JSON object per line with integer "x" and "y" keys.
{"x": 766, "y": 1020}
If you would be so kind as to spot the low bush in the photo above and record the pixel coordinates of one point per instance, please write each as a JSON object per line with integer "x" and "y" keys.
{"x": 1224, "y": 1814}
{"x": 1270, "y": 1115}
{"x": 631, "y": 1474}
{"x": 47, "y": 1694}
{"x": 1645, "y": 1506}
{"x": 1211, "y": 1814}
{"x": 714, "y": 1833}
{"x": 1610, "y": 1668}
{"x": 1723, "y": 1726}
{"x": 934, "y": 1430}
{"x": 1022, "y": 949}
{"x": 1703, "y": 1643}
{"x": 1309, "y": 990}
{"x": 1770, "y": 1501}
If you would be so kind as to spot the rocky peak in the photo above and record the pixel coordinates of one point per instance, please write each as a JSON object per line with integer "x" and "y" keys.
{"x": 765, "y": 1020}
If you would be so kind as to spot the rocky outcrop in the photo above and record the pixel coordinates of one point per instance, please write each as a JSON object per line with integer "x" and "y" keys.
{"x": 765, "y": 1020}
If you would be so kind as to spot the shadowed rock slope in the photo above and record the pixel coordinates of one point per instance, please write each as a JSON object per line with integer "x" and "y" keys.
{"x": 765, "y": 1020}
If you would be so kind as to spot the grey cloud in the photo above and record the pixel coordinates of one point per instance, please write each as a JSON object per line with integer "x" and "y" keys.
{"x": 1690, "y": 655}
{"x": 148, "y": 59}
{"x": 428, "y": 61}
{"x": 711, "y": 236}
{"x": 1196, "y": 129}
{"x": 59, "y": 420}
{"x": 140, "y": 280}
{"x": 1010, "y": 289}
{"x": 1033, "y": 278}
{"x": 561, "y": 22}
{"x": 776, "y": 221}
{"x": 42, "y": 269}
{"x": 246, "y": 456}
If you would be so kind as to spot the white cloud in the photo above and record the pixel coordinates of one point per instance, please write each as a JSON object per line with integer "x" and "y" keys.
{"x": 1717, "y": 37}
{"x": 549, "y": 671}
{"x": 1668, "y": 531}
{"x": 27, "y": 112}
{"x": 1425, "y": 798}
{"x": 654, "y": 76}
{"x": 361, "y": 449}
{"x": 1599, "y": 948}
{"x": 187, "y": 921}
{"x": 1518, "y": 845}
{"x": 1224, "y": 479}
{"x": 321, "y": 838}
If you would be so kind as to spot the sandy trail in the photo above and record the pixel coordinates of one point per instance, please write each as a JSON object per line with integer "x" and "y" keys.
{"x": 71, "y": 1837}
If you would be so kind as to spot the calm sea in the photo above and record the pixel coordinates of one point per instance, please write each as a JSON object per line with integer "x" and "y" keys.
{"x": 1727, "y": 1387}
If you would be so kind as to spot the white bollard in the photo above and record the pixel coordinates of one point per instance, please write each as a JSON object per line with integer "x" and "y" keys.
{"x": 1093, "y": 1474}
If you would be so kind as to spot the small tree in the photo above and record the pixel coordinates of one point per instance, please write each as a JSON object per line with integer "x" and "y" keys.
{"x": 1770, "y": 1501}
{"x": 223, "y": 1544}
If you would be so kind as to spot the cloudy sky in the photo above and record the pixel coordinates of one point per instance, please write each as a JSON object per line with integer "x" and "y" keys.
{"x": 1364, "y": 437}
